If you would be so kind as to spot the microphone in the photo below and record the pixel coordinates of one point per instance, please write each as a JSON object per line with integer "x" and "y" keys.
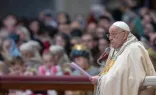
{"x": 104, "y": 55}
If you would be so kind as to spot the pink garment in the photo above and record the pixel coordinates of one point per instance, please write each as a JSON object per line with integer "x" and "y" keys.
{"x": 44, "y": 71}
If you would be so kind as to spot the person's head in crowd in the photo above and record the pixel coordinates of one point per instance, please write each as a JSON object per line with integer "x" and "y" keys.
{"x": 75, "y": 25}
{"x": 34, "y": 27}
{"x": 44, "y": 13}
{"x": 17, "y": 66}
{"x": 63, "y": 18}
{"x": 75, "y": 40}
{"x": 59, "y": 55}
{"x": 146, "y": 20}
{"x": 80, "y": 55}
{"x": 6, "y": 45}
{"x": 103, "y": 43}
{"x": 10, "y": 49}
{"x": 27, "y": 51}
{"x": 100, "y": 32}
{"x": 48, "y": 59}
{"x": 80, "y": 18}
{"x": 91, "y": 27}
{"x": 49, "y": 66}
{"x": 49, "y": 20}
{"x": 64, "y": 28}
{"x": 30, "y": 50}
{"x": 24, "y": 34}
{"x": 87, "y": 40}
{"x": 36, "y": 45}
{"x": 10, "y": 22}
{"x": 4, "y": 70}
{"x": 62, "y": 40}
{"x": 149, "y": 33}
{"x": 104, "y": 22}
{"x": 48, "y": 31}
{"x": 148, "y": 29}
{"x": 143, "y": 11}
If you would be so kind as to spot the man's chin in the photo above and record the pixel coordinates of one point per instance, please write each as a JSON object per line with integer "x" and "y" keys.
{"x": 112, "y": 46}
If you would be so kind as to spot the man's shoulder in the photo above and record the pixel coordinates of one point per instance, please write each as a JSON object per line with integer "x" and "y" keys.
{"x": 135, "y": 46}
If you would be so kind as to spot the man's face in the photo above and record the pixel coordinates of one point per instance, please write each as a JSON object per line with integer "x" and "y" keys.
{"x": 100, "y": 32}
{"x": 103, "y": 44}
{"x": 48, "y": 60}
{"x": 26, "y": 54}
{"x": 81, "y": 61}
{"x": 6, "y": 45}
{"x": 117, "y": 37}
{"x": 65, "y": 28}
{"x": 91, "y": 28}
{"x": 87, "y": 40}
{"x": 17, "y": 69}
{"x": 60, "y": 41}
{"x": 104, "y": 23}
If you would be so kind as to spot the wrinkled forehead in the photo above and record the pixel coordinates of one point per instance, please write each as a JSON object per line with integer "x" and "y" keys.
{"x": 113, "y": 29}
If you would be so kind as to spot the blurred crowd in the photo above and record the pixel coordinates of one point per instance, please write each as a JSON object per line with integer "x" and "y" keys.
{"x": 45, "y": 46}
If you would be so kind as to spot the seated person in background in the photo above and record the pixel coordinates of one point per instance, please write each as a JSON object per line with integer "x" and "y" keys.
{"x": 16, "y": 66}
{"x": 81, "y": 56}
{"x": 59, "y": 54}
{"x": 49, "y": 67}
{"x": 31, "y": 55}
{"x": 60, "y": 58}
{"x": 9, "y": 49}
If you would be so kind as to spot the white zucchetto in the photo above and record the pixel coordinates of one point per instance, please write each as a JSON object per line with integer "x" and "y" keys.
{"x": 121, "y": 25}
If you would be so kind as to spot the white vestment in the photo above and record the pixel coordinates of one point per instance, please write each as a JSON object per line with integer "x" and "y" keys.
{"x": 128, "y": 72}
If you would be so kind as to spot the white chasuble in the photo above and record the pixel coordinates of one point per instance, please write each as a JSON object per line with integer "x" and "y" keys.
{"x": 127, "y": 72}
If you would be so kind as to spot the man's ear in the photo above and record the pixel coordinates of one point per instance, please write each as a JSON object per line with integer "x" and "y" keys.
{"x": 125, "y": 35}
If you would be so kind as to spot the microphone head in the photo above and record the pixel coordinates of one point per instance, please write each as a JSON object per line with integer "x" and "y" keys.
{"x": 107, "y": 50}
{"x": 104, "y": 56}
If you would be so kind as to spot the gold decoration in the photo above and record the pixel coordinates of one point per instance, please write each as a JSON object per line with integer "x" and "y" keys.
{"x": 79, "y": 47}
{"x": 108, "y": 67}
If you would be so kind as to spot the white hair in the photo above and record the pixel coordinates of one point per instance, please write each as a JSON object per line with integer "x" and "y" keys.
{"x": 59, "y": 50}
{"x": 35, "y": 45}
{"x": 32, "y": 47}
{"x": 55, "y": 49}
{"x": 25, "y": 31}
{"x": 26, "y": 47}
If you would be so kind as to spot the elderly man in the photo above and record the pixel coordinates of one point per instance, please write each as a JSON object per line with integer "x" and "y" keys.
{"x": 127, "y": 65}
